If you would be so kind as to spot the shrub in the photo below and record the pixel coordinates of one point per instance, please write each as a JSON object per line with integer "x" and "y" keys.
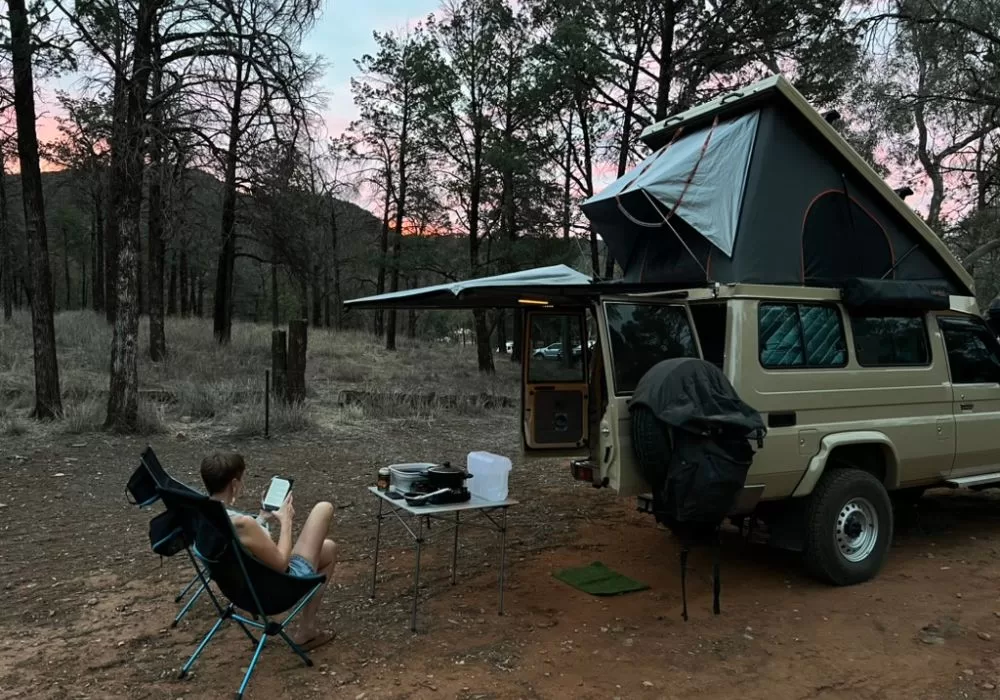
{"x": 82, "y": 416}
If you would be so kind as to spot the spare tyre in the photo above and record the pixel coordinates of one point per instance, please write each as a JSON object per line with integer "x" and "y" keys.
{"x": 651, "y": 444}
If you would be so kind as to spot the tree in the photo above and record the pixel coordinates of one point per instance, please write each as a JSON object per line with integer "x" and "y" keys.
{"x": 48, "y": 403}
{"x": 391, "y": 95}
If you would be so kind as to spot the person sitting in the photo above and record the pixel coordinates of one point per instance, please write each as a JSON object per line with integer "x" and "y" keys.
{"x": 313, "y": 552}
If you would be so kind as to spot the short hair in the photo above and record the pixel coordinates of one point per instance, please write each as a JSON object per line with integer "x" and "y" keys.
{"x": 219, "y": 469}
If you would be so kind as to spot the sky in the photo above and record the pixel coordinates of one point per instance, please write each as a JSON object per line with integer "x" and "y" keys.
{"x": 343, "y": 34}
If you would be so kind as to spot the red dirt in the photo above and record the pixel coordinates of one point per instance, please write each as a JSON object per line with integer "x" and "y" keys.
{"x": 87, "y": 606}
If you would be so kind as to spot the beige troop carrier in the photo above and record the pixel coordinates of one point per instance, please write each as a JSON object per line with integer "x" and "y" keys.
{"x": 754, "y": 237}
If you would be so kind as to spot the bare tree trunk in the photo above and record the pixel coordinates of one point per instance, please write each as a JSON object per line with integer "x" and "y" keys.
{"x": 47, "y": 399}
{"x": 201, "y": 295}
{"x": 274, "y": 295}
{"x": 185, "y": 292}
{"x": 193, "y": 292}
{"x": 66, "y": 277}
{"x": 666, "y": 67}
{"x": 6, "y": 251}
{"x": 97, "y": 261}
{"x": 123, "y": 394}
{"x": 516, "y": 348}
{"x": 338, "y": 319}
{"x": 172, "y": 286}
{"x": 114, "y": 198}
{"x": 298, "y": 334}
{"x": 83, "y": 283}
{"x": 383, "y": 249}
{"x": 317, "y": 301}
{"x": 223, "y": 313}
{"x": 326, "y": 295}
{"x": 157, "y": 251}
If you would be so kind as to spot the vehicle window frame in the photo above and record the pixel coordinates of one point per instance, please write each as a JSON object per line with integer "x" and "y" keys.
{"x": 900, "y": 365}
{"x": 613, "y": 375}
{"x": 581, "y": 318}
{"x": 798, "y": 305}
{"x": 975, "y": 324}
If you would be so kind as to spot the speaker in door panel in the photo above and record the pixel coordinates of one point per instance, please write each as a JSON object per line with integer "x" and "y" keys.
{"x": 558, "y": 417}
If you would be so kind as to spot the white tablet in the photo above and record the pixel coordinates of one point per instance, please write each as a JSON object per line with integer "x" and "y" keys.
{"x": 276, "y": 493}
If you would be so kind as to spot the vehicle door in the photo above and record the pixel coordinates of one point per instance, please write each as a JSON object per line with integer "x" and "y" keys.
{"x": 554, "y": 382}
{"x": 974, "y": 366}
{"x": 636, "y": 335}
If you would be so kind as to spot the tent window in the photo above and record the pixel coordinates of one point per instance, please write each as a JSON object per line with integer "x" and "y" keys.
{"x": 643, "y": 335}
{"x": 801, "y": 336}
{"x": 841, "y": 239}
{"x": 890, "y": 341}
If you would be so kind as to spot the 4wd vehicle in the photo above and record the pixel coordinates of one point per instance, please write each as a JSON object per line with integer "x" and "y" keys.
{"x": 755, "y": 238}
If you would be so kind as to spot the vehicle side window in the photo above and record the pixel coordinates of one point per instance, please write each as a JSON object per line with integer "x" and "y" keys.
{"x": 801, "y": 336}
{"x": 890, "y": 341}
{"x": 973, "y": 351}
{"x": 642, "y": 335}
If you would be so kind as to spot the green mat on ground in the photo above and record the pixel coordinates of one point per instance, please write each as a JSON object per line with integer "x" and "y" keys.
{"x": 597, "y": 579}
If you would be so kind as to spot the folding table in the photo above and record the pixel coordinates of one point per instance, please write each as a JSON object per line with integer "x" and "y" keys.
{"x": 450, "y": 515}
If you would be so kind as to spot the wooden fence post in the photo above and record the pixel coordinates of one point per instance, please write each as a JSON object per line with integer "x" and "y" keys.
{"x": 297, "y": 337}
{"x": 279, "y": 363}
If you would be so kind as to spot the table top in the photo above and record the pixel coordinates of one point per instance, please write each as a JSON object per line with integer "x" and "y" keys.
{"x": 474, "y": 503}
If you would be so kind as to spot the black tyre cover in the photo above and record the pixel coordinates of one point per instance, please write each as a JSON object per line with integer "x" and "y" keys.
{"x": 651, "y": 444}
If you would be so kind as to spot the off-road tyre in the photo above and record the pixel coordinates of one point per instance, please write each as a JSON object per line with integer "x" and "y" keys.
{"x": 842, "y": 547}
{"x": 651, "y": 444}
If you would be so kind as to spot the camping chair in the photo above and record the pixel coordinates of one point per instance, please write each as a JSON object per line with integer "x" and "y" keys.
{"x": 248, "y": 584}
{"x": 164, "y": 538}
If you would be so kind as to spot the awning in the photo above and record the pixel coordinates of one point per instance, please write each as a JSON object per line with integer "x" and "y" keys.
{"x": 699, "y": 177}
{"x": 556, "y": 285}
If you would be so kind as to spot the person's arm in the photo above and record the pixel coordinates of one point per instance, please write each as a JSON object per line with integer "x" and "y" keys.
{"x": 259, "y": 543}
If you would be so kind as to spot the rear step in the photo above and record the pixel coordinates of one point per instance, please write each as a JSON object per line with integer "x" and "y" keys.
{"x": 980, "y": 481}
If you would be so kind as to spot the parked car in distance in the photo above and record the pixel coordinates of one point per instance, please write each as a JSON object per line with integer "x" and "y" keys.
{"x": 550, "y": 352}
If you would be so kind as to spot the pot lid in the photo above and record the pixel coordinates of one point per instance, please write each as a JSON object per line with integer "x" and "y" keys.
{"x": 446, "y": 469}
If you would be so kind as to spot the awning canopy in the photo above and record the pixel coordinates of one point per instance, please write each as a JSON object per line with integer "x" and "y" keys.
{"x": 698, "y": 177}
{"x": 556, "y": 285}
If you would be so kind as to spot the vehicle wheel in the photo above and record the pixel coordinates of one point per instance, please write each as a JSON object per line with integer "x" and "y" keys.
{"x": 651, "y": 444}
{"x": 848, "y": 527}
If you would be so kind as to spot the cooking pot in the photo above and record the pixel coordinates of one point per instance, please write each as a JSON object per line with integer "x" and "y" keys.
{"x": 408, "y": 478}
{"x": 445, "y": 476}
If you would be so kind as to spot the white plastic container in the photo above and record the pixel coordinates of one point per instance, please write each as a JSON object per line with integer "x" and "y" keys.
{"x": 489, "y": 475}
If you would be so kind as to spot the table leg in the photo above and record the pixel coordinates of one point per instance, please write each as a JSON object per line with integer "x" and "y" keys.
{"x": 503, "y": 555}
{"x": 416, "y": 574}
{"x": 454, "y": 553}
{"x": 378, "y": 538}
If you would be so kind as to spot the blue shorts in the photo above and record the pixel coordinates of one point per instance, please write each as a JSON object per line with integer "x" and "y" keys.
{"x": 299, "y": 566}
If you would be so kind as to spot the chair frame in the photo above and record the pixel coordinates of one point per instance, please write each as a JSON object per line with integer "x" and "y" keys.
{"x": 260, "y": 621}
{"x": 160, "y": 477}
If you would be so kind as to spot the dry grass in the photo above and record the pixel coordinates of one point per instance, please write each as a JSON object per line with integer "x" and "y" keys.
{"x": 223, "y": 385}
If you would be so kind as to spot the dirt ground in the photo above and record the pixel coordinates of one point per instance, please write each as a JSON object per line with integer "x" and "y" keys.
{"x": 86, "y": 606}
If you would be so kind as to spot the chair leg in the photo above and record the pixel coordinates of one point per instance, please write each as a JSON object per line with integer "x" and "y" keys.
{"x": 296, "y": 648}
{"x": 201, "y": 647}
{"x": 184, "y": 591}
{"x": 253, "y": 640}
{"x": 187, "y": 605}
{"x": 250, "y": 668}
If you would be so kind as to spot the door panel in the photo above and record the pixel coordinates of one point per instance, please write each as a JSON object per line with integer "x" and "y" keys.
{"x": 974, "y": 364}
{"x": 555, "y": 382}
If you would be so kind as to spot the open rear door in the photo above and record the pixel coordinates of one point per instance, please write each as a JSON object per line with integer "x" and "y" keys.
{"x": 555, "y": 389}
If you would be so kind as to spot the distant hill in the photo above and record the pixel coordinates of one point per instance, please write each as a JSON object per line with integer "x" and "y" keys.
{"x": 194, "y": 227}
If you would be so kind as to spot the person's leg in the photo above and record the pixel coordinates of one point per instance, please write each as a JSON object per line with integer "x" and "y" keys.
{"x": 314, "y": 532}
{"x": 322, "y": 554}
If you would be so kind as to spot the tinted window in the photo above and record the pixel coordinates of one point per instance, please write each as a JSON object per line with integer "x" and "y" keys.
{"x": 548, "y": 361}
{"x": 710, "y": 324}
{"x": 972, "y": 352}
{"x": 644, "y": 334}
{"x": 890, "y": 341}
{"x": 801, "y": 335}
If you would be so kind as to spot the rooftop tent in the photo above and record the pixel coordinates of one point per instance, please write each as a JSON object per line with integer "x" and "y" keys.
{"x": 757, "y": 187}
{"x": 555, "y": 284}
